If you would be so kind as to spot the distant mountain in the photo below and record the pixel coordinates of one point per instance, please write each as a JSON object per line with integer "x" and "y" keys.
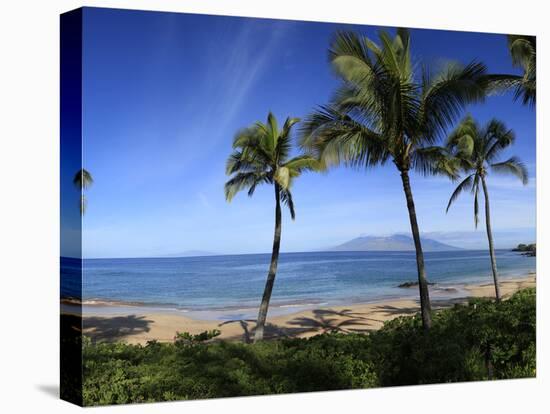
{"x": 396, "y": 242}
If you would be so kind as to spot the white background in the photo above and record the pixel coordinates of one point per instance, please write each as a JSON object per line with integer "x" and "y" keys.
{"x": 29, "y": 204}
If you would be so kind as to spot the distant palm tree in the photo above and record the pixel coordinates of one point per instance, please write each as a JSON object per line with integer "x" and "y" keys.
{"x": 261, "y": 156}
{"x": 83, "y": 180}
{"x": 477, "y": 148}
{"x": 385, "y": 110}
{"x": 523, "y": 51}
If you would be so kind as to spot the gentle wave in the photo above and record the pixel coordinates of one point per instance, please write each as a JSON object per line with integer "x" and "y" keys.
{"x": 301, "y": 305}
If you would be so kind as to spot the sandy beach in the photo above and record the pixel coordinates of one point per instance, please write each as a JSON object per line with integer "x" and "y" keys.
{"x": 143, "y": 326}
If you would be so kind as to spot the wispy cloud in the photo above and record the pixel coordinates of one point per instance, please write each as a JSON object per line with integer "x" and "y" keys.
{"x": 227, "y": 83}
{"x": 246, "y": 62}
{"x": 217, "y": 96}
{"x": 204, "y": 200}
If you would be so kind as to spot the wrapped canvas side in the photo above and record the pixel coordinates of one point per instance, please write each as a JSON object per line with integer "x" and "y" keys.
{"x": 71, "y": 207}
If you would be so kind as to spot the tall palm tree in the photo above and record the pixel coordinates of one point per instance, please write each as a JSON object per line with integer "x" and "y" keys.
{"x": 83, "y": 180}
{"x": 262, "y": 156}
{"x": 386, "y": 109}
{"x": 523, "y": 51}
{"x": 478, "y": 148}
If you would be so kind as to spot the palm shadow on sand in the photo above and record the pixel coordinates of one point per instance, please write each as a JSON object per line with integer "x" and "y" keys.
{"x": 244, "y": 323}
{"x": 271, "y": 331}
{"x": 321, "y": 321}
{"x": 112, "y": 329}
{"x": 336, "y": 321}
{"x": 387, "y": 310}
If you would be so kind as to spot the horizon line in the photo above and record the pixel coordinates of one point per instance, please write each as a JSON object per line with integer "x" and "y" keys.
{"x": 287, "y": 252}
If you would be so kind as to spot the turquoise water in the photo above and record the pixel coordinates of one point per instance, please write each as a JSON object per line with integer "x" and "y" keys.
{"x": 233, "y": 283}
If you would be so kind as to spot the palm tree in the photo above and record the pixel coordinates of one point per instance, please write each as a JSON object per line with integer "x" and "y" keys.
{"x": 523, "y": 51}
{"x": 83, "y": 180}
{"x": 261, "y": 156}
{"x": 477, "y": 148}
{"x": 386, "y": 110}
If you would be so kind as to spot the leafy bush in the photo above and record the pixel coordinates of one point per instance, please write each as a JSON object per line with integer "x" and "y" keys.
{"x": 477, "y": 341}
{"x": 481, "y": 340}
{"x": 185, "y": 338}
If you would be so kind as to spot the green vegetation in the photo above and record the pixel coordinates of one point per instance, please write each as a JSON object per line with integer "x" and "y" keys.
{"x": 187, "y": 338}
{"x": 477, "y": 149}
{"x": 386, "y": 109}
{"x": 479, "y": 341}
{"x": 527, "y": 249}
{"x": 261, "y": 156}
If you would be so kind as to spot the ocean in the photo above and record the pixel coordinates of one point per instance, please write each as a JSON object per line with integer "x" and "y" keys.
{"x": 227, "y": 287}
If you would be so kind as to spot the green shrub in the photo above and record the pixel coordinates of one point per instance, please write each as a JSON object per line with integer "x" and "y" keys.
{"x": 481, "y": 340}
{"x": 477, "y": 341}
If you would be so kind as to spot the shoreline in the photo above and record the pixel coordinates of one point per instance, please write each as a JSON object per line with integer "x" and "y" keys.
{"x": 116, "y": 307}
{"x": 137, "y": 325}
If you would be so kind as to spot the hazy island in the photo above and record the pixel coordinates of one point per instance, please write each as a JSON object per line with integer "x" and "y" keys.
{"x": 395, "y": 242}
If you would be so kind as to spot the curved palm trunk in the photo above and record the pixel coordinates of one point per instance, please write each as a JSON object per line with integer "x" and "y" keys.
{"x": 490, "y": 238}
{"x": 425, "y": 305}
{"x": 262, "y": 314}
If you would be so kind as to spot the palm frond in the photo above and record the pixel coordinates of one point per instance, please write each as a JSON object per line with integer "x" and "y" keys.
{"x": 303, "y": 163}
{"x": 523, "y": 51}
{"x": 272, "y": 129}
{"x": 335, "y": 138}
{"x": 447, "y": 94}
{"x": 498, "y": 84}
{"x": 389, "y": 55}
{"x": 512, "y": 166}
{"x": 466, "y": 184}
{"x": 83, "y": 179}
{"x": 286, "y": 198}
{"x": 253, "y": 146}
{"x": 462, "y": 139}
{"x": 246, "y": 137}
{"x": 287, "y": 127}
{"x": 496, "y": 138}
{"x": 362, "y": 104}
{"x": 243, "y": 161}
{"x": 349, "y": 56}
{"x": 242, "y": 180}
{"x": 284, "y": 142}
{"x": 367, "y": 84}
{"x": 435, "y": 160}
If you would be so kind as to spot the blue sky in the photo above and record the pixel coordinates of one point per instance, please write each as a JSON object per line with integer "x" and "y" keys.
{"x": 164, "y": 94}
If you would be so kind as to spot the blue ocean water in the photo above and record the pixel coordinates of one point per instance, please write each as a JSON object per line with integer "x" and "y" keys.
{"x": 303, "y": 279}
